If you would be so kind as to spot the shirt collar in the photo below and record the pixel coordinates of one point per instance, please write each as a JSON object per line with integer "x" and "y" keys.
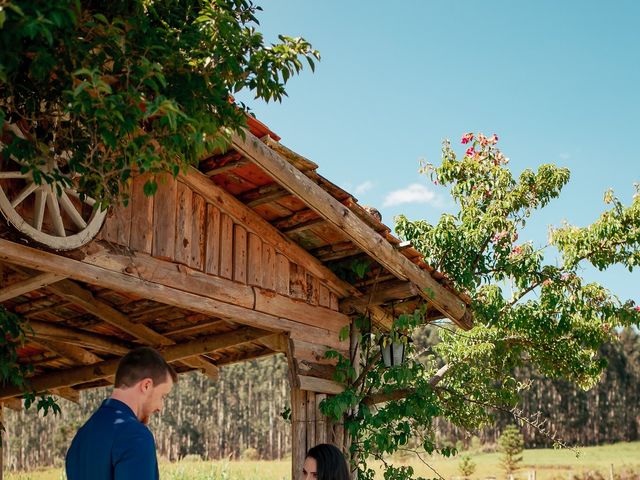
{"x": 122, "y": 407}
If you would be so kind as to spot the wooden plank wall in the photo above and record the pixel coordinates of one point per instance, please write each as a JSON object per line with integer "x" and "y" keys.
{"x": 179, "y": 225}
{"x": 311, "y": 427}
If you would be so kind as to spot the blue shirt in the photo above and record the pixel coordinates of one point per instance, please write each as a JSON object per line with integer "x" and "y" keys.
{"x": 112, "y": 445}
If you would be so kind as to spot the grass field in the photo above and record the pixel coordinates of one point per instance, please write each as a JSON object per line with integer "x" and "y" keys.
{"x": 548, "y": 464}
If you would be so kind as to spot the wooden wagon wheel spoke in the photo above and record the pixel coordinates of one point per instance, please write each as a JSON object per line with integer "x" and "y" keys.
{"x": 10, "y": 175}
{"x": 74, "y": 193}
{"x": 69, "y": 207}
{"x": 54, "y": 212}
{"x": 26, "y": 191}
{"x": 38, "y": 209}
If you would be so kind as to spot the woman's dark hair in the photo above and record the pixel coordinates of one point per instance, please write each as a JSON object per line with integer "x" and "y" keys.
{"x": 331, "y": 464}
{"x": 141, "y": 363}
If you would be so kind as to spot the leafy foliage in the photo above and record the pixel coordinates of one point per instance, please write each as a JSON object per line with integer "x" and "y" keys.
{"x": 14, "y": 330}
{"x": 108, "y": 88}
{"x": 94, "y": 91}
{"x": 528, "y": 311}
{"x": 511, "y": 445}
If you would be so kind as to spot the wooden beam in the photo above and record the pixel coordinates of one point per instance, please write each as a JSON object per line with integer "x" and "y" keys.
{"x": 263, "y": 194}
{"x": 243, "y": 357}
{"x": 73, "y": 292}
{"x": 28, "y": 285}
{"x": 351, "y": 225}
{"x": 70, "y": 352}
{"x": 76, "y": 336}
{"x": 67, "y": 393}
{"x": 303, "y": 226}
{"x": 131, "y": 284}
{"x": 226, "y": 167}
{"x": 172, "y": 353}
{"x": 194, "y": 329}
{"x": 84, "y": 298}
{"x": 294, "y": 219}
{"x": 277, "y": 342}
{"x": 379, "y": 316}
{"x": 380, "y": 293}
{"x": 101, "y": 309}
{"x": 13, "y": 404}
{"x": 336, "y": 251}
{"x": 249, "y": 297}
{"x": 258, "y": 225}
{"x": 320, "y": 385}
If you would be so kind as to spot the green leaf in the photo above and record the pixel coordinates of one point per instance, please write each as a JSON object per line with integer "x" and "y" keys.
{"x": 150, "y": 188}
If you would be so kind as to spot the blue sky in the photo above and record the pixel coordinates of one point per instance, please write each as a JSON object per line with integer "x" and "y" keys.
{"x": 559, "y": 82}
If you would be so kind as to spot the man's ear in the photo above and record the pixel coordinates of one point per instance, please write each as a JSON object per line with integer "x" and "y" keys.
{"x": 145, "y": 385}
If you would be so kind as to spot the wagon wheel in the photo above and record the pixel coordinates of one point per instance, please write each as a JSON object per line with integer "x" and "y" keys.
{"x": 53, "y": 214}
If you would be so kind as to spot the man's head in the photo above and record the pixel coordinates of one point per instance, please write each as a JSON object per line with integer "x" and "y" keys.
{"x": 143, "y": 380}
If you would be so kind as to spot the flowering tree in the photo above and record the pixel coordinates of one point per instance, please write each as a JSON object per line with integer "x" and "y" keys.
{"x": 527, "y": 309}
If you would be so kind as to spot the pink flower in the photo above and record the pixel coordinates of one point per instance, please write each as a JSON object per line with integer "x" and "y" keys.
{"x": 637, "y": 309}
{"x": 516, "y": 250}
{"x": 470, "y": 152}
{"x": 466, "y": 138}
{"x": 494, "y": 139}
{"x": 483, "y": 140}
{"x": 499, "y": 236}
{"x": 546, "y": 282}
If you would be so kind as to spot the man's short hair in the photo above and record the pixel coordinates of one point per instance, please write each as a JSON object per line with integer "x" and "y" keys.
{"x": 141, "y": 363}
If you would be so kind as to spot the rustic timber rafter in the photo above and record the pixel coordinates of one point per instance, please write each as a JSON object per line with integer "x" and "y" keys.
{"x": 76, "y": 336}
{"x": 80, "y": 296}
{"x": 356, "y": 229}
{"x": 67, "y": 393}
{"x": 12, "y": 403}
{"x": 74, "y": 293}
{"x": 30, "y": 284}
{"x": 172, "y": 353}
{"x": 70, "y": 352}
{"x": 380, "y": 293}
{"x": 227, "y": 167}
{"x": 264, "y": 194}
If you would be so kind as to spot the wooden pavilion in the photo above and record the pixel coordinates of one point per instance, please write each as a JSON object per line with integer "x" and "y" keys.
{"x": 232, "y": 261}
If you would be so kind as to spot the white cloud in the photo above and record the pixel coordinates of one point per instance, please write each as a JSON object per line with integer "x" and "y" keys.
{"x": 364, "y": 187}
{"x": 414, "y": 193}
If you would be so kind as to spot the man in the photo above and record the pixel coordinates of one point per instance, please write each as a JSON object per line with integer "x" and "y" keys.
{"x": 115, "y": 443}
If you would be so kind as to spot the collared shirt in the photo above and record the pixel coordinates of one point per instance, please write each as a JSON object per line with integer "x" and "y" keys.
{"x": 112, "y": 445}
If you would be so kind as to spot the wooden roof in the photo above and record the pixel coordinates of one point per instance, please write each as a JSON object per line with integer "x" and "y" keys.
{"x": 84, "y": 318}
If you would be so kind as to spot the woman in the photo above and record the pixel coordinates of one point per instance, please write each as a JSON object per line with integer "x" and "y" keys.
{"x": 325, "y": 462}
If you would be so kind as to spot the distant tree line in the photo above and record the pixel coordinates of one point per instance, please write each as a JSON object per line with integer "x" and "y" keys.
{"x": 607, "y": 413}
{"x": 239, "y": 415}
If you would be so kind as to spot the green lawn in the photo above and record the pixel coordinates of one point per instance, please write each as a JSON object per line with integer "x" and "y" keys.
{"x": 548, "y": 464}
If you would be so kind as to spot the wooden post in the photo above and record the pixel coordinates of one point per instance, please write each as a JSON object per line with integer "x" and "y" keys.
{"x": 299, "y": 425}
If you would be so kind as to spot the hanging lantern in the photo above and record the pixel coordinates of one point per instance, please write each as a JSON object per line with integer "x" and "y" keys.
{"x": 394, "y": 349}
